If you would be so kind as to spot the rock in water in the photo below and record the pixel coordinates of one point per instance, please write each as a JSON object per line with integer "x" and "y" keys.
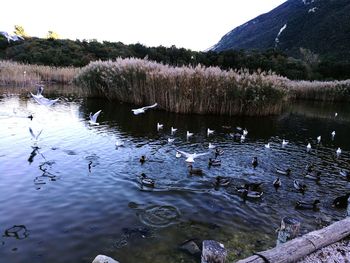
{"x": 191, "y": 247}
{"x": 104, "y": 259}
{"x": 213, "y": 252}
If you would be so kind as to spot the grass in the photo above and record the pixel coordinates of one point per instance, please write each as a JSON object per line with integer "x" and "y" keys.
{"x": 21, "y": 75}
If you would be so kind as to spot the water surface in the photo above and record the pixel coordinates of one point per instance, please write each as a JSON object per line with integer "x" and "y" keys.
{"x": 73, "y": 194}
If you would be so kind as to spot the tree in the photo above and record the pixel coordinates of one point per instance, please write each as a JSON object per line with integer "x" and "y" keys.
{"x": 19, "y": 31}
{"x": 52, "y": 35}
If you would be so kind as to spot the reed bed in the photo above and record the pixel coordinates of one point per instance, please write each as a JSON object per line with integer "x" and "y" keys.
{"x": 320, "y": 90}
{"x": 203, "y": 90}
{"x": 21, "y": 75}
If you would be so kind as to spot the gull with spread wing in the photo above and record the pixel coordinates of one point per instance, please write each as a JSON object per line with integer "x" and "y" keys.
{"x": 143, "y": 109}
{"x": 93, "y": 118}
{"x": 191, "y": 157}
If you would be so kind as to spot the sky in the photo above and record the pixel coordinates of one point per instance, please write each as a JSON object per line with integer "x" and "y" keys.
{"x": 192, "y": 24}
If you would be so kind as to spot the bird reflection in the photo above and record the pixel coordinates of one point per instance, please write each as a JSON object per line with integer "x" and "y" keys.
{"x": 33, "y": 154}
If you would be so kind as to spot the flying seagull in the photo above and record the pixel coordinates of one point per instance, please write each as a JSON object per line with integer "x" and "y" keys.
{"x": 93, "y": 118}
{"x": 191, "y": 157}
{"x": 143, "y": 109}
{"x": 35, "y": 136}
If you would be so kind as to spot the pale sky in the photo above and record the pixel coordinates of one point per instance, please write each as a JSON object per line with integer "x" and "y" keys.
{"x": 191, "y": 24}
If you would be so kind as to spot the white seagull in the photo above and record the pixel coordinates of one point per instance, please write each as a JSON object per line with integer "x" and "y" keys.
{"x": 191, "y": 157}
{"x": 159, "y": 126}
{"x": 35, "y": 136}
{"x": 333, "y": 134}
{"x": 211, "y": 146}
{"x": 40, "y": 99}
{"x": 284, "y": 142}
{"x": 336, "y": 114}
{"x": 319, "y": 139}
{"x": 338, "y": 151}
{"x": 119, "y": 143}
{"x": 209, "y": 131}
{"x": 267, "y": 145}
{"x": 189, "y": 134}
{"x": 178, "y": 155}
{"x": 171, "y": 140}
{"x": 173, "y": 130}
{"x": 245, "y": 132}
{"x": 93, "y": 118}
{"x": 143, "y": 109}
{"x": 308, "y": 147}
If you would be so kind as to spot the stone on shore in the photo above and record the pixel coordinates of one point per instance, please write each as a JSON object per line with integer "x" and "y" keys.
{"x": 213, "y": 252}
{"x": 104, "y": 259}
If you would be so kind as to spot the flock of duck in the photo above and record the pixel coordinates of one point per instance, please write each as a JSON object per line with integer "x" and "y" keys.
{"x": 248, "y": 190}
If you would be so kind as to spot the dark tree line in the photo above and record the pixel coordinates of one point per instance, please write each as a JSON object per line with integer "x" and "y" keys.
{"x": 58, "y": 52}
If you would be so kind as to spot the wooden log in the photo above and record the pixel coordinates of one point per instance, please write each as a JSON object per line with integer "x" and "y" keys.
{"x": 213, "y": 252}
{"x": 289, "y": 229}
{"x": 300, "y": 247}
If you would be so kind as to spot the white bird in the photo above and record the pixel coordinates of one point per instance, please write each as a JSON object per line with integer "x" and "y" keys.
{"x": 173, "y": 130}
{"x": 284, "y": 142}
{"x": 267, "y": 145}
{"x": 338, "y": 151}
{"x": 333, "y": 134}
{"x": 159, "y": 126}
{"x": 93, "y": 118}
{"x": 242, "y": 138}
{"x": 171, "y": 140}
{"x": 35, "y": 136}
{"x": 189, "y": 134}
{"x": 319, "y": 139}
{"x": 40, "y": 99}
{"x": 211, "y": 146}
{"x": 308, "y": 147}
{"x": 191, "y": 157}
{"x": 143, "y": 109}
{"x": 209, "y": 131}
{"x": 336, "y": 114}
{"x": 178, "y": 155}
{"x": 245, "y": 132}
{"x": 119, "y": 143}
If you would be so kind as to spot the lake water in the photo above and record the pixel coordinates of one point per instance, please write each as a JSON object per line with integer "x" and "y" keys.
{"x": 74, "y": 195}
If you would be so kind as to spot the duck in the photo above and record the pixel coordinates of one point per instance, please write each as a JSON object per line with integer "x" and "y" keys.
{"x": 338, "y": 151}
{"x": 159, "y": 126}
{"x": 255, "y": 162}
{"x": 314, "y": 176}
{"x": 177, "y": 155}
{"x": 309, "y": 167}
{"x": 287, "y": 172}
{"x": 173, "y": 130}
{"x": 195, "y": 171}
{"x": 284, "y": 142}
{"x": 251, "y": 187}
{"x": 218, "y": 152}
{"x": 345, "y": 174}
{"x": 277, "y": 183}
{"x": 30, "y": 117}
{"x": 267, "y": 145}
{"x": 209, "y": 131}
{"x": 341, "y": 201}
{"x": 214, "y": 162}
{"x": 319, "y": 139}
{"x": 300, "y": 205}
{"x": 235, "y": 135}
{"x": 222, "y": 181}
{"x": 143, "y": 159}
{"x": 299, "y": 186}
{"x": 145, "y": 181}
{"x": 251, "y": 194}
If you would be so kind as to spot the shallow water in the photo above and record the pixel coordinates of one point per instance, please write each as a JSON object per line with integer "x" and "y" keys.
{"x": 74, "y": 195}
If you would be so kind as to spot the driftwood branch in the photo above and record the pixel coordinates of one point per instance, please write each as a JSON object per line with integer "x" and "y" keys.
{"x": 298, "y": 248}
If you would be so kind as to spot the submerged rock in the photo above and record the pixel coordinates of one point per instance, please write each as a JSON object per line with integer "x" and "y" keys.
{"x": 104, "y": 259}
{"x": 190, "y": 247}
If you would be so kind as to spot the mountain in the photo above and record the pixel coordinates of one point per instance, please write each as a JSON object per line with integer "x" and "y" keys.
{"x": 321, "y": 26}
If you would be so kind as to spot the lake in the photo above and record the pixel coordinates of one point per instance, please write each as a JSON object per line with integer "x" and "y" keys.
{"x": 74, "y": 194}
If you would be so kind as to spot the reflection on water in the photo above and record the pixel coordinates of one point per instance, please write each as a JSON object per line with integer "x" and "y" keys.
{"x": 87, "y": 198}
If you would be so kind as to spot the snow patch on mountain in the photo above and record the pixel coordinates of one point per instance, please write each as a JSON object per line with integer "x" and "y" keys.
{"x": 279, "y": 33}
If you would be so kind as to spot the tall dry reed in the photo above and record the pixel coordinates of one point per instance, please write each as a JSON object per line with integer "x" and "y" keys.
{"x": 19, "y": 74}
{"x": 185, "y": 89}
